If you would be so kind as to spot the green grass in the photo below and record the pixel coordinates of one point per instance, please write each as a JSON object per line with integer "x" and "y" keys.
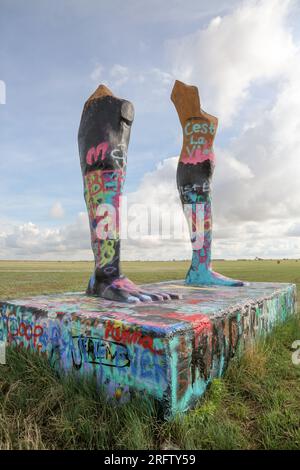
{"x": 255, "y": 406}
{"x": 19, "y": 278}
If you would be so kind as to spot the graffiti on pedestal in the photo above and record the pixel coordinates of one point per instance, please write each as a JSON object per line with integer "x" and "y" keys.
{"x": 171, "y": 351}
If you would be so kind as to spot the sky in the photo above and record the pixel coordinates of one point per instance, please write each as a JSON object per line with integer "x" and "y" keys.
{"x": 244, "y": 58}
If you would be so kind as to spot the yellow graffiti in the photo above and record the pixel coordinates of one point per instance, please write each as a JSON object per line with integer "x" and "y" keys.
{"x": 177, "y": 286}
{"x": 107, "y": 252}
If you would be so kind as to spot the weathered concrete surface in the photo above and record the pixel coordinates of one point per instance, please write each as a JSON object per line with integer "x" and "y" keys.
{"x": 169, "y": 350}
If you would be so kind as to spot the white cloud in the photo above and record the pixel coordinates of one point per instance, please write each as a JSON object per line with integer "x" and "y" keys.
{"x": 157, "y": 192}
{"x": 119, "y": 74}
{"x": 246, "y": 223}
{"x": 270, "y": 150}
{"x": 29, "y": 241}
{"x": 151, "y": 81}
{"x": 96, "y": 74}
{"x": 294, "y": 230}
{"x": 57, "y": 211}
{"x": 241, "y": 230}
{"x": 249, "y": 44}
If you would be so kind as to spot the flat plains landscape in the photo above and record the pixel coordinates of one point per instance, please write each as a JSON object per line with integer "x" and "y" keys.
{"x": 22, "y": 278}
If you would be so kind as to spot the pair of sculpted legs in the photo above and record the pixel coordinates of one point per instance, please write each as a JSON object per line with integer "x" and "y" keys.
{"x": 103, "y": 139}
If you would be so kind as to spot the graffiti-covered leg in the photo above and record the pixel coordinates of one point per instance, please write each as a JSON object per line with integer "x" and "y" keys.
{"x": 103, "y": 139}
{"x": 194, "y": 174}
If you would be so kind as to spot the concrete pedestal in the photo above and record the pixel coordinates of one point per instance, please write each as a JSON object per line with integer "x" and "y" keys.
{"x": 169, "y": 350}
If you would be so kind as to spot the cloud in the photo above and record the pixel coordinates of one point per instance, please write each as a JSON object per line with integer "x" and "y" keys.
{"x": 246, "y": 223}
{"x": 294, "y": 230}
{"x": 162, "y": 216}
{"x": 119, "y": 74}
{"x": 156, "y": 205}
{"x": 96, "y": 74}
{"x": 251, "y": 43}
{"x": 57, "y": 211}
{"x": 116, "y": 76}
{"x": 270, "y": 150}
{"x": 29, "y": 241}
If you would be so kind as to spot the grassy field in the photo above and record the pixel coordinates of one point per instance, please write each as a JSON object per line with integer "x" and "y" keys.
{"x": 255, "y": 406}
{"x": 21, "y": 278}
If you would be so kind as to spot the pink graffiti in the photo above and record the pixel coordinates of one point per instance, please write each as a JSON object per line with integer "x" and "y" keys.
{"x": 124, "y": 283}
{"x": 200, "y": 322}
{"x": 197, "y": 156}
{"x": 94, "y": 152}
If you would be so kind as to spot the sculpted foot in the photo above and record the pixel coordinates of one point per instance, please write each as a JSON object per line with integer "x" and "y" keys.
{"x": 210, "y": 278}
{"x": 122, "y": 289}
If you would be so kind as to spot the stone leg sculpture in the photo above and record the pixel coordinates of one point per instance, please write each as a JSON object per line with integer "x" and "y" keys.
{"x": 103, "y": 139}
{"x": 194, "y": 174}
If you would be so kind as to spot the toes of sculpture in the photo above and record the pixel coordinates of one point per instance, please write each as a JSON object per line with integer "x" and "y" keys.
{"x": 211, "y": 278}
{"x": 162, "y": 296}
{"x": 123, "y": 290}
{"x": 219, "y": 279}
